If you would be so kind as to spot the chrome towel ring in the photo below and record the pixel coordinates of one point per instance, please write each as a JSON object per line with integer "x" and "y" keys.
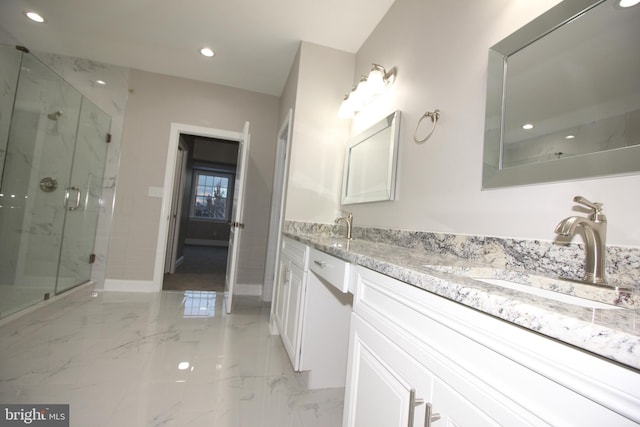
{"x": 434, "y": 116}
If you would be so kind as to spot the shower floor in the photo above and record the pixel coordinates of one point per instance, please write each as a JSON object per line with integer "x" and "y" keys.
{"x": 14, "y": 298}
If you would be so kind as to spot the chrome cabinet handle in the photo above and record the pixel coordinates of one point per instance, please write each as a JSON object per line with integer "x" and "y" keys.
{"x": 322, "y": 264}
{"x": 287, "y": 275}
{"x": 413, "y": 402}
{"x": 429, "y": 416}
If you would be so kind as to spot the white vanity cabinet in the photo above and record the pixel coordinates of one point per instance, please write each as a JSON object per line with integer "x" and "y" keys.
{"x": 311, "y": 311}
{"x": 416, "y": 359}
{"x": 289, "y": 296}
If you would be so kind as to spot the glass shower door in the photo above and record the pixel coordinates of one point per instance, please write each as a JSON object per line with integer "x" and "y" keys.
{"x": 36, "y": 171}
{"x": 83, "y": 197}
{"x": 9, "y": 69}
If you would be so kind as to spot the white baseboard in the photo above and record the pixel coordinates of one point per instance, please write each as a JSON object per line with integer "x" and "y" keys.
{"x": 117, "y": 285}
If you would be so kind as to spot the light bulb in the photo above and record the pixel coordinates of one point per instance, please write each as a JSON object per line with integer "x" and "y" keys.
{"x": 346, "y": 111}
{"x": 375, "y": 80}
{"x": 362, "y": 94}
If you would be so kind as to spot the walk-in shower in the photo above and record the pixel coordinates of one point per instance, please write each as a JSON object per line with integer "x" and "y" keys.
{"x": 53, "y": 145}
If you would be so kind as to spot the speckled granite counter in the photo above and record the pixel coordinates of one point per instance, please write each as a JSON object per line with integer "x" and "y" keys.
{"x": 611, "y": 333}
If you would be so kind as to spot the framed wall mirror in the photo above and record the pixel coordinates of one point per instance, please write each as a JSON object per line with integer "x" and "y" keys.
{"x": 563, "y": 97}
{"x": 370, "y": 163}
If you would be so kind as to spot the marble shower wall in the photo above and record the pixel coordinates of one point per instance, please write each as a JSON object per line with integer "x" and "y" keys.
{"x": 565, "y": 259}
{"x": 112, "y": 97}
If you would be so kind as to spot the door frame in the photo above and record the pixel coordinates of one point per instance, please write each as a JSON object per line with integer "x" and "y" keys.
{"x": 167, "y": 189}
{"x": 176, "y": 208}
{"x": 278, "y": 200}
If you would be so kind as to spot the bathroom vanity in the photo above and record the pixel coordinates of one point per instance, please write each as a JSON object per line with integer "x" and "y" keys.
{"x": 430, "y": 345}
{"x": 311, "y": 311}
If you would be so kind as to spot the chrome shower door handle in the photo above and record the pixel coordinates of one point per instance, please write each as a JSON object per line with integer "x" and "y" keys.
{"x": 67, "y": 196}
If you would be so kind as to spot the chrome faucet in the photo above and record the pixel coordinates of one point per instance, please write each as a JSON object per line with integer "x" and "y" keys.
{"x": 349, "y": 221}
{"x": 594, "y": 232}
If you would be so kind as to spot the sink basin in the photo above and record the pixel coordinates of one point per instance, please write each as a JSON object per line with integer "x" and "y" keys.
{"x": 555, "y": 289}
{"x": 569, "y": 299}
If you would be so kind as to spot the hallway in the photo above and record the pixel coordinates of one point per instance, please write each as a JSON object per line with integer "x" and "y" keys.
{"x": 204, "y": 269}
{"x": 165, "y": 359}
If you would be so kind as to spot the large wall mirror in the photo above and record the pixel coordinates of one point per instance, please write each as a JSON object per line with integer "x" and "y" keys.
{"x": 370, "y": 163}
{"x": 563, "y": 97}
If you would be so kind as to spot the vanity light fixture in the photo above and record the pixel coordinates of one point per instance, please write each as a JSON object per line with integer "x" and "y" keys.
{"x": 34, "y": 16}
{"x": 368, "y": 88}
{"x": 206, "y": 51}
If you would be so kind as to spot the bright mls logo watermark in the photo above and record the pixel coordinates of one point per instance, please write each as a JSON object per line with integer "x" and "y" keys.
{"x": 34, "y": 415}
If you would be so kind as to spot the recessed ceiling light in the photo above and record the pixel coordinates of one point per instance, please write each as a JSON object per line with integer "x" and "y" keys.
{"x": 206, "y": 52}
{"x": 34, "y": 16}
{"x": 569, "y": 137}
{"x": 101, "y": 82}
{"x": 527, "y": 126}
{"x": 628, "y": 3}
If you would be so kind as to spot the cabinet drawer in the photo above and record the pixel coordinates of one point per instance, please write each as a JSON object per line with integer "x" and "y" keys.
{"x": 296, "y": 251}
{"x": 333, "y": 270}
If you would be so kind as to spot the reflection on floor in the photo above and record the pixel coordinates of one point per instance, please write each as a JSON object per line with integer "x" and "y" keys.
{"x": 199, "y": 304}
{"x": 165, "y": 359}
{"x": 203, "y": 269}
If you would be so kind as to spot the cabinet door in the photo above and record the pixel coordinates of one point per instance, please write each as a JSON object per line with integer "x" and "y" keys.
{"x": 281, "y": 292}
{"x": 293, "y": 309}
{"x": 450, "y": 408}
{"x": 386, "y": 387}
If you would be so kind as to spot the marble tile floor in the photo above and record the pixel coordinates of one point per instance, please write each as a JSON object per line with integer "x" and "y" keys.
{"x": 165, "y": 359}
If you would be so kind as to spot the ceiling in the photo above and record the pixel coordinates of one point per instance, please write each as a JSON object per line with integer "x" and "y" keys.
{"x": 254, "y": 41}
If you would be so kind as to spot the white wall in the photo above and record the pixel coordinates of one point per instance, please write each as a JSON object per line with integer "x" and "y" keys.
{"x": 154, "y": 103}
{"x": 440, "y": 49}
{"x": 315, "y": 170}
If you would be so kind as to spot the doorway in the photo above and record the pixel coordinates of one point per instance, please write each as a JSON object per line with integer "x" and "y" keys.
{"x": 198, "y": 237}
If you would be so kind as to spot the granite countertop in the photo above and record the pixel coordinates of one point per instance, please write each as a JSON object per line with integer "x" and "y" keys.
{"x": 611, "y": 333}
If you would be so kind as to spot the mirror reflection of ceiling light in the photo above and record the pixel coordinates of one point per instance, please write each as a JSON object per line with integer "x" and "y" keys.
{"x": 207, "y": 52}
{"x": 527, "y": 126}
{"x": 628, "y": 3}
{"x": 34, "y": 16}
